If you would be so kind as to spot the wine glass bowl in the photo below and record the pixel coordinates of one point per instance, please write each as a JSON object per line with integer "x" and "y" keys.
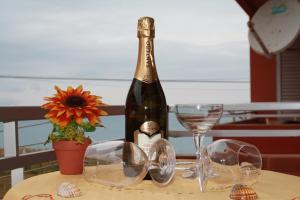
{"x": 121, "y": 164}
{"x": 103, "y": 163}
{"x": 198, "y": 118}
{"x": 232, "y": 162}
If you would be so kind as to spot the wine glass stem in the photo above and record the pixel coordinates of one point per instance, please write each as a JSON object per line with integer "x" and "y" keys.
{"x": 201, "y": 174}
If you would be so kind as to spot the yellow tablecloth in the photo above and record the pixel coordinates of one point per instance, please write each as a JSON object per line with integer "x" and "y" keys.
{"x": 271, "y": 186}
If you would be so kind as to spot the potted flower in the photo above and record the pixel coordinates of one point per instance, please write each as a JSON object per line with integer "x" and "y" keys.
{"x": 72, "y": 113}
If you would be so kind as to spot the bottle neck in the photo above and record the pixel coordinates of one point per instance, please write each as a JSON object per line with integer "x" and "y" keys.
{"x": 146, "y": 69}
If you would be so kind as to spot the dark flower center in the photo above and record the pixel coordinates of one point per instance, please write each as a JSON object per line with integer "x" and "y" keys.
{"x": 75, "y": 101}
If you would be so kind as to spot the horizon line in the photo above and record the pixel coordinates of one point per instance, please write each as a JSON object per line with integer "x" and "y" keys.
{"x": 121, "y": 79}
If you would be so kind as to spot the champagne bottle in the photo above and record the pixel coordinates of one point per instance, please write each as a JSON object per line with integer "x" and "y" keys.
{"x": 146, "y": 113}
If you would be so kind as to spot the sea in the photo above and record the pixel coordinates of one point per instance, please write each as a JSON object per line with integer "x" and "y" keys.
{"x": 32, "y": 134}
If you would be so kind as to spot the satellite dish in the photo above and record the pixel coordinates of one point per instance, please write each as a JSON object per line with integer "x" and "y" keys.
{"x": 275, "y": 26}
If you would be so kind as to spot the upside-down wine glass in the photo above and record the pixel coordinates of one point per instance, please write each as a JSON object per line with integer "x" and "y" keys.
{"x": 121, "y": 164}
{"x": 199, "y": 119}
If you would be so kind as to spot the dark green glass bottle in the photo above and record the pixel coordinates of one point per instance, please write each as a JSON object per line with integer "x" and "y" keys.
{"x": 146, "y": 108}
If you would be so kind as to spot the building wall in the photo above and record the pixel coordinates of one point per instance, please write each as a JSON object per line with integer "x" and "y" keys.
{"x": 263, "y": 78}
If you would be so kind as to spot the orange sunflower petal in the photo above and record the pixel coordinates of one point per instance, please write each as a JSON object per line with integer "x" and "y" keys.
{"x": 51, "y": 114}
{"x": 93, "y": 120}
{"x": 78, "y": 112}
{"x": 60, "y": 92}
{"x": 78, "y": 120}
{"x": 57, "y": 88}
{"x": 60, "y": 112}
{"x": 47, "y": 116}
{"x": 85, "y": 93}
{"x": 79, "y": 89}
{"x": 49, "y": 104}
{"x": 96, "y": 112}
{"x": 69, "y": 113}
{"x": 55, "y": 107}
{"x": 92, "y": 107}
{"x": 63, "y": 122}
{"x": 87, "y": 111}
{"x": 103, "y": 113}
{"x": 70, "y": 90}
{"x": 48, "y": 98}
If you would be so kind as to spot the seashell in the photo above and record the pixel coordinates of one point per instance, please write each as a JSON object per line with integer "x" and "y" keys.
{"x": 242, "y": 192}
{"x": 68, "y": 190}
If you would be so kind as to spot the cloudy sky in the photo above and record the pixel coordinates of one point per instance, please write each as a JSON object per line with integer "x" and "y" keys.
{"x": 195, "y": 39}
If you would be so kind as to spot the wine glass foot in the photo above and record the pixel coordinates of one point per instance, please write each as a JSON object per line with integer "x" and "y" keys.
{"x": 188, "y": 171}
{"x": 163, "y": 162}
{"x": 190, "y": 174}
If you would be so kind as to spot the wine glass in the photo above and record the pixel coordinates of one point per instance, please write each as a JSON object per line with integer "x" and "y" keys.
{"x": 199, "y": 119}
{"x": 232, "y": 162}
{"x": 121, "y": 164}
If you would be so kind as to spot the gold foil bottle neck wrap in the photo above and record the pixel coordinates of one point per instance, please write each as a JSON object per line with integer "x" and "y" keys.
{"x": 146, "y": 27}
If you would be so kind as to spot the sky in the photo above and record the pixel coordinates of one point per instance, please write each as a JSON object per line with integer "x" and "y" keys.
{"x": 199, "y": 40}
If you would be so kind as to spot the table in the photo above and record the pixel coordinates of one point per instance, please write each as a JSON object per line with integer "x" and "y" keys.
{"x": 271, "y": 186}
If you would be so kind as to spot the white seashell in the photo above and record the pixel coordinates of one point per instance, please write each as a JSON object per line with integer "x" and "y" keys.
{"x": 68, "y": 190}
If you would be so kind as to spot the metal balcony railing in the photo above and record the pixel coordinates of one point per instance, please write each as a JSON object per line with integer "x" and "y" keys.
{"x": 255, "y": 120}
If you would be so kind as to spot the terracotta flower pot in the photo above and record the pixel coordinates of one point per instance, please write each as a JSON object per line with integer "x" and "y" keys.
{"x": 69, "y": 155}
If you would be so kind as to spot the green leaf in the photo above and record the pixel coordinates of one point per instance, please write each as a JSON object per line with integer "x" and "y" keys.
{"x": 72, "y": 132}
{"x": 87, "y": 127}
{"x": 73, "y": 124}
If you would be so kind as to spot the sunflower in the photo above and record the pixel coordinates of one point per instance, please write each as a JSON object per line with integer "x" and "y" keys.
{"x": 73, "y": 104}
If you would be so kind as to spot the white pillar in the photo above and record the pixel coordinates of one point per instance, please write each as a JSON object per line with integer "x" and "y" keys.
{"x": 10, "y": 144}
{"x": 9, "y": 135}
{"x": 17, "y": 175}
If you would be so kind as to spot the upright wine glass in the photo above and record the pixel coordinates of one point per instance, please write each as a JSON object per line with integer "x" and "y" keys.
{"x": 121, "y": 164}
{"x": 199, "y": 119}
